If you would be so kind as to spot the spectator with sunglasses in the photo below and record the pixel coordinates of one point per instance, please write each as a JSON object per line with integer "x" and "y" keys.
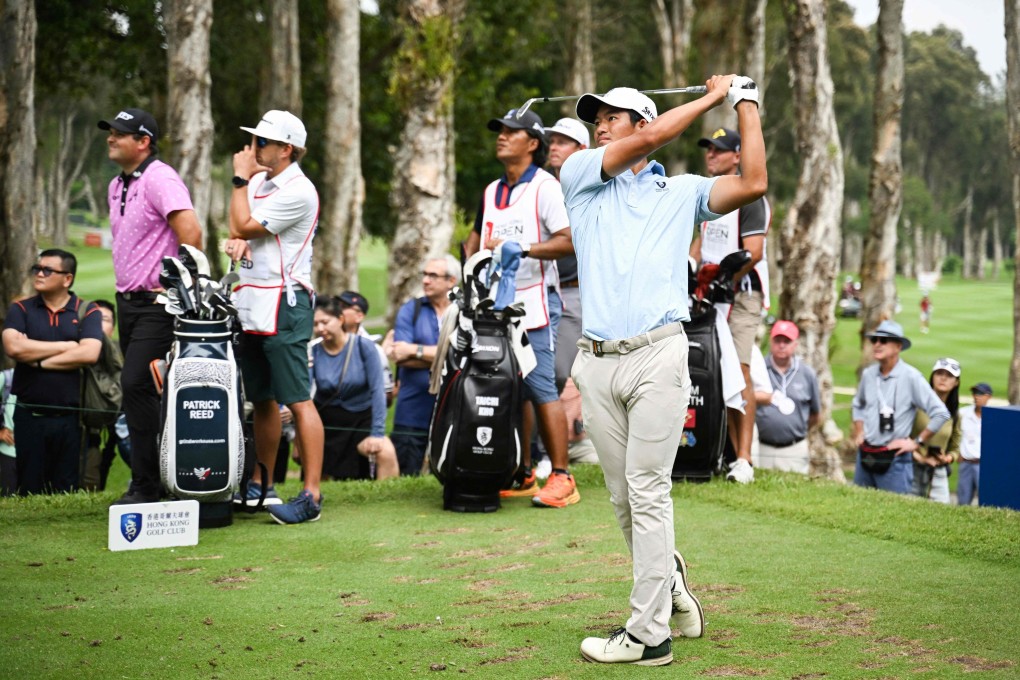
{"x": 931, "y": 463}
{"x": 45, "y": 335}
{"x": 274, "y": 210}
{"x": 888, "y": 397}
{"x": 151, "y": 215}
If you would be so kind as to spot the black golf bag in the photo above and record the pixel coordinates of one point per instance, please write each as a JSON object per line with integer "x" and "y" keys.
{"x": 475, "y": 439}
{"x": 202, "y": 451}
{"x": 700, "y": 454}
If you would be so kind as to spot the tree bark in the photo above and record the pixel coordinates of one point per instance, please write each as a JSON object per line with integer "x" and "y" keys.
{"x": 812, "y": 226}
{"x": 1013, "y": 118}
{"x": 980, "y": 246}
{"x": 17, "y": 147}
{"x": 997, "y": 254}
{"x": 422, "y": 195}
{"x": 343, "y": 187}
{"x": 885, "y": 186}
{"x": 283, "y": 90}
{"x": 674, "y": 20}
{"x": 64, "y": 172}
{"x": 754, "y": 54}
{"x": 581, "y": 58}
{"x": 968, "y": 234}
{"x": 189, "y": 122}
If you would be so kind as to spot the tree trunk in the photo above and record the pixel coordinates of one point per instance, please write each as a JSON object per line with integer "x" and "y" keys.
{"x": 190, "y": 124}
{"x": 283, "y": 90}
{"x": 754, "y": 54}
{"x": 997, "y": 255}
{"x": 968, "y": 234}
{"x": 343, "y": 187}
{"x": 62, "y": 177}
{"x": 1013, "y": 118}
{"x": 885, "y": 185}
{"x": 812, "y": 226}
{"x": 17, "y": 147}
{"x": 728, "y": 45}
{"x": 581, "y": 58}
{"x": 980, "y": 247}
{"x": 674, "y": 20}
{"x": 422, "y": 195}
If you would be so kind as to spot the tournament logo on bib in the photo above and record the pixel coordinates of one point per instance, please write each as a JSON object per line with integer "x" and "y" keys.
{"x": 484, "y": 435}
{"x": 131, "y": 525}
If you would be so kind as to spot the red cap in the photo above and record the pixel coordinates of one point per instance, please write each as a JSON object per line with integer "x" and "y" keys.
{"x": 787, "y": 329}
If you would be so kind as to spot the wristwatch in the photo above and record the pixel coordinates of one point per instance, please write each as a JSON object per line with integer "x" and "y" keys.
{"x": 420, "y": 352}
{"x": 239, "y": 181}
{"x": 525, "y": 249}
{"x": 920, "y": 442}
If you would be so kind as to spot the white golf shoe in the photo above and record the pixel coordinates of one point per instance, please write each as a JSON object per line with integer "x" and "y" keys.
{"x": 688, "y": 617}
{"x": 619, "y": 647}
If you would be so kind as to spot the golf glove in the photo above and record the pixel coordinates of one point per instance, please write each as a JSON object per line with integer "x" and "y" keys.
{"x": 742, "y": 89}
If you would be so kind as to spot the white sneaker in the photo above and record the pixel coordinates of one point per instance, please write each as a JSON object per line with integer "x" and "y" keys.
{"x": 740, "y": 471}
{"x": 620, "y": 648}
{"x": 688, "y": 616}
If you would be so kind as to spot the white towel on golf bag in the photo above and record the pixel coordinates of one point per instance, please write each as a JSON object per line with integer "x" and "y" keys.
{"x": 732, "y": 376}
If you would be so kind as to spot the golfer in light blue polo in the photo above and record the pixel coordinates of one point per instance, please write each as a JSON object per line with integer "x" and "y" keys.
{"x": 632, "y": 229}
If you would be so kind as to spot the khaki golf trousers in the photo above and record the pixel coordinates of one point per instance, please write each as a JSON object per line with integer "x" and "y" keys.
{"x": 634, "y": 406}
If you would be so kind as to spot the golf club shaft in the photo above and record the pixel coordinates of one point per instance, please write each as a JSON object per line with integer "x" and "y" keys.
{"x": 696, "y": 89}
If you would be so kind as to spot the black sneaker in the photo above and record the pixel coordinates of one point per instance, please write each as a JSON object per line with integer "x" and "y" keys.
{"x": 301, "y": 508}
{"x": 134, "y": 496}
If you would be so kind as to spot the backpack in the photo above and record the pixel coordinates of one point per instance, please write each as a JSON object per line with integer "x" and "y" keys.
{"x": 101, "y": 394}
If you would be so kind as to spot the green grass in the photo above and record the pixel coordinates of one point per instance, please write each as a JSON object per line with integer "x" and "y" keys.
{"x": 798, "y": 579}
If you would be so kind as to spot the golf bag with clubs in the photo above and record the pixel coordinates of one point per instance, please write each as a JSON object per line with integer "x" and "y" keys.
{"x": 700, "y": 455}
{"x": 202, "y": 445}
{"x": 475, "y": 438}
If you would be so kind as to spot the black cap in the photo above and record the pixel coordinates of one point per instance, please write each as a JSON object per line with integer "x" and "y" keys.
{"x": 981, "y": 388}
{"x": 353, "y": 299}
{"x": 723, "y": 138}
{"x": 529, "y": 121}
{"x": 133, "y": 121}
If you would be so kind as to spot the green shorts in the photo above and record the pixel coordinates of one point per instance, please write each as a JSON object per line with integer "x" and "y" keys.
{"x": 275, "y": 367}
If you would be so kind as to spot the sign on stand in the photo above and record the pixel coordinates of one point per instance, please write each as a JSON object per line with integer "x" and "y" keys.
{"x": 153, "y": 525}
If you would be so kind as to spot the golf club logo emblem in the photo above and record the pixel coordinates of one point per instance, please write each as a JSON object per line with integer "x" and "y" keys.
{"x": 131, "y": 525}
{"x": 660, "y": 184}
{"x": 202, "y": 473}
{"x": 124, "y": 115}
{"x": 484, "y": 435}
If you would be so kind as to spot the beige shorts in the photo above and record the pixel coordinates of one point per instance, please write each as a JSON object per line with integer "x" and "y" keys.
{"x": 744, "y": 320}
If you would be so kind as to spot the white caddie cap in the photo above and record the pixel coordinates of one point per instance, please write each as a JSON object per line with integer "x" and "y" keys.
{"x": 625, "y": 98}
{"x": 280, "y": 126}
{"x": 572, "y": 128}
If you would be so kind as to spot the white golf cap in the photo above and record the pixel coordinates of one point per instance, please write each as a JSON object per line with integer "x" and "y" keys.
{"x": 280, "y": 126}
{"x": 625, "y": 98}
{"x": 572, "y": 128}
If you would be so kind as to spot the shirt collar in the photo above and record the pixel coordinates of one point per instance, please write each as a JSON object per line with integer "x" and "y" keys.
{"x": 291, "y": 171}
{"x": 528, "y": 175}
{"x": 127, "y": 178}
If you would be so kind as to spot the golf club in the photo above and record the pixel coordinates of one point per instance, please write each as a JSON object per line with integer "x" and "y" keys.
{"x": 695, "y": 89}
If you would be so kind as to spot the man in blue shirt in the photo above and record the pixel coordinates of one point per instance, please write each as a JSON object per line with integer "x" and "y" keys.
{"x": 412, "y": 346}
{"x": 632, "y": 228}
{"x": 50, "y": 339}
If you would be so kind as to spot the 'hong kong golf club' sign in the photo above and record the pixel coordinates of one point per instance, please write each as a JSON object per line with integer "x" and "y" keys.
{"x": 153, "y": 525}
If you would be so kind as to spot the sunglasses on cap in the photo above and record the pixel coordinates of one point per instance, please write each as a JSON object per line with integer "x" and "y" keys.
{"x": 45, "y": 271}
{"x": 951, "y": 366}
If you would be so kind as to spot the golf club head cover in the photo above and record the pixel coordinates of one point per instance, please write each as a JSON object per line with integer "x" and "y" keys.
{"x": 509, "y": 262}
{"x": 742, "y": 89}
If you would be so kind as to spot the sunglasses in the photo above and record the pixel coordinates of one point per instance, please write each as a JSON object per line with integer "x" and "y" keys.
{"x": 881, "y": 340}
{"x": 262, "y": 142}
{"x": 45, "y": 271}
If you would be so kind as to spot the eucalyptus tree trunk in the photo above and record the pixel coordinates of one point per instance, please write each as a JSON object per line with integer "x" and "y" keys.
{"x": 343, "y": 187}
{"x": 674, "y": 20}
{"x": 724, "y": 52}
{"x": 581, "y": 58}
{"x": 1013, "y": 118}
{"x": 980, "y": 248}
{"x": 968, "y": 234}
{"x": 812, "y": 226}
{"x": 17, "y": 147}
{"x": 754, "y": 54}
{"x": 189, "y": 120}
{"x": 422, "y": 195}
{"x": 283, "y": 89}
{"x": 885, "y": 185}
{"x": 64, "y": 172}
{"x": 997, "y": 254}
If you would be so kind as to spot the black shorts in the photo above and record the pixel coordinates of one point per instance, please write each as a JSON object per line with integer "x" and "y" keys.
{"x": 344, "y": 430}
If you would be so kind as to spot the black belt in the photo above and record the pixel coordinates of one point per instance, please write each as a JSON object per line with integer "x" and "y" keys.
{"x": 142, "y": 295}
{"x": 570, "y": 284}
{"x": 780, "y": 446}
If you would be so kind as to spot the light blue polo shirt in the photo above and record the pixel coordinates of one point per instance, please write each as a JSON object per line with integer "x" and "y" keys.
{"x": 632, "y": 236}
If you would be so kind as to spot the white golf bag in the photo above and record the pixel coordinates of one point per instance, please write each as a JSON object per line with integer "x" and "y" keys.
{"x": 202, "y": 441}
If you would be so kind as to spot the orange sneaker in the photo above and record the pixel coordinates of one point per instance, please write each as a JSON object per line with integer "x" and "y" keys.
{"x": 559, "y": 492}
{"x": 525, "y": 487}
